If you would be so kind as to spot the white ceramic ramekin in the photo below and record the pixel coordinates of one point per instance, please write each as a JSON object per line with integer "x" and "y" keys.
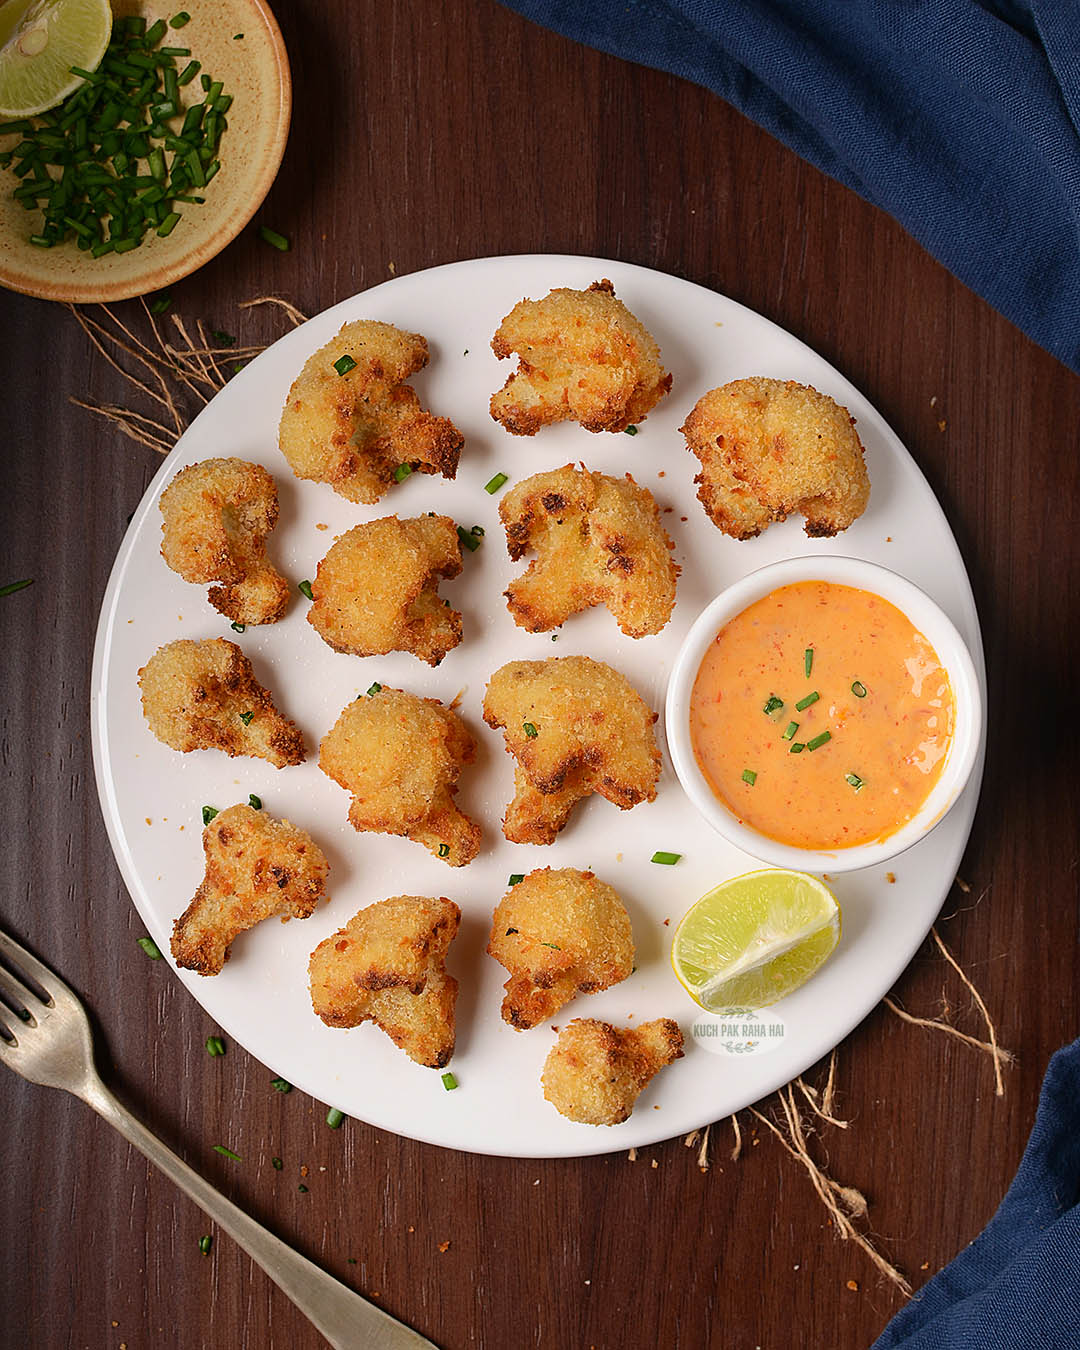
{"x": 927, "y": 617}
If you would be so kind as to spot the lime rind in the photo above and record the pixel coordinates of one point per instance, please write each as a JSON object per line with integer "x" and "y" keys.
{"x": 40, "y": 48}
{"x": 755, "y": 939}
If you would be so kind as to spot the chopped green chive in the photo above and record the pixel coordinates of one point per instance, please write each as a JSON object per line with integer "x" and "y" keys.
{"x": 226, "y": 339}
{"x": 254, "y": 802}
{"x": 631, "y": 430}
{"x": 819, "y": 741}
{"x": 227, "y": 1153}
{"x": 236, "y": 38}
{"x": 208, "y": 814}
{"x": 215, "y": 1047}
{"x": 14, "y": 586}
{"x": 808, "y": 661}
{"x": 444, "y": 850}
{"x": 665, "y": 859}
{"x": 749, "y": 776}
{"x": 238, "y": 627}
{"x": 178, "y": 20}
{"x": 374, "y": 688}
{"x": 246, "y": 717}
{"x": 859, "y": 689}
{"x": 150, "y": 947}
{"x": 168, "y": 224}
{"x": 344, "y": 364}
{"x": 789, "y": 731}
{"x": 797, "y": 748}
{"x": 471, "y": 542}
{"x": 773, "y": 704}
{"x": 281, "y": 1085}
{"x": 553, "y": 945}
{"x": 804, "y": 703}
{"x": 276, "y": 1164}
{"x": 305, "y": 589}
{"x": 509, "y": 933}
{"x": 478, "y": 531}
{"x": 402, "y": 472}
{"x": 495, "y": 483}
{"x": 160, "y": 303}
{"x": 269, "y": 236}
{"x": 302, "y": 1189}
{"x": 334, "y": 1117}
{"x": 449, "y": 1082}
{"x": 515, "y": 877}
{"x": 530, "y": 730}
{"x": 205, "y": 1243}
{"x": 855, "y": 781}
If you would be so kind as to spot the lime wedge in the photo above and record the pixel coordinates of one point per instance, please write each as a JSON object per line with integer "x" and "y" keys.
{"x": 754, "y": 939}
{"x": 40, "y": 40}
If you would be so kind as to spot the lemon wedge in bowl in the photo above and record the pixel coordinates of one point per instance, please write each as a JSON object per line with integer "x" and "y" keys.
{"x": 754, "y": 939}
{"x": 40, "y": 40}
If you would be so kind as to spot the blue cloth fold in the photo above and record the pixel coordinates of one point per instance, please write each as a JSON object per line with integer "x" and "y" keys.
{"x": 1017, "y": 1286}
{"x": 959, "y": 118}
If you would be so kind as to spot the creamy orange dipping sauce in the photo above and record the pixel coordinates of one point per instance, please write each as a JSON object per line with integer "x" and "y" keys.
{"x": 883, "y": 698}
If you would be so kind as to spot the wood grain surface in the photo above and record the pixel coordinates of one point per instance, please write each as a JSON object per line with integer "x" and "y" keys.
{"x": 424, "y": 133}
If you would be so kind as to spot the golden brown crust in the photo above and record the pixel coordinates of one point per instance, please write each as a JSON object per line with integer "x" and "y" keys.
{"x": 558, "y": 933}
{"x": 215, "y": 519}
{"x": 400, "y": 757}
{"x": 583, "y": 358}
{"x": 256, "y": 867}
{"x": 387, "y": 966}
{"x": 599, "y": 541}
{"x": 376, "y": 591}
{"x": 593, "y": 733}
{"x": 769, "y": 448}
{"x": 204, "y": 696}
{"x": 594, "y": 1073}
{"x": 354, "y": 431}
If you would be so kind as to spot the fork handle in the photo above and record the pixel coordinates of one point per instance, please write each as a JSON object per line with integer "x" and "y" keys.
{"x": 348, "y": 1321}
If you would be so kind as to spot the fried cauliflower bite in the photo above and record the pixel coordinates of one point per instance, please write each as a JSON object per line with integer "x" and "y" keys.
{"x": 599, "y": 541}
{"x": 583, "y": 358}
{"x": 769, "y": 448}
{"x": 215, "y": 519}
{"x": 400, "y": 757}
{"x": 376, "y": 591}
{"x": 204, "y": 696}
{"x": 256, "y": 867}
{"x": 355, "y": 427}
{"x": 559, "y": 934}
{"x": 594, "y": 1073}
{"x": 387, "y": 966}
{"x": 575, "y": 726}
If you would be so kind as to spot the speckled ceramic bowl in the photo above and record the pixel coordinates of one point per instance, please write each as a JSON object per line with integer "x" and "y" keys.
{"x": 237, "y": 42}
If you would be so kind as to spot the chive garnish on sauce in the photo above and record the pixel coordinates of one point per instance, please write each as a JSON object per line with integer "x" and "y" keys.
{"x": 856, "y": 782}
{"x": 530, "y": 730}
{"x": 772, "y": 704}
{"x": 797, "y": 748}
{"x": 665, "y": 859}
{"x": 859, "y": 689}
{"x": 749, "y": 776}
{"x": 789, "y": 731}
{"x": 495, "y": 483}
{"x": 819, "y": 741}
{"x": 804, "y": 703}
{"x": 808, "y": 661}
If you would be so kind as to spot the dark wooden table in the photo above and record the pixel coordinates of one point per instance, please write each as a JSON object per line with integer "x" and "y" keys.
{"x": 425, "y": 133}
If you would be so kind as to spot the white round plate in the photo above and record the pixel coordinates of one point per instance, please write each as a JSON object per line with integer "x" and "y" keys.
{"x": 152, "y": 797}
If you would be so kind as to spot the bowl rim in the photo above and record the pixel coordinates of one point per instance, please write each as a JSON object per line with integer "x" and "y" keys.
{"x": 81, "y": 292}
{"x": 922, "y": 611}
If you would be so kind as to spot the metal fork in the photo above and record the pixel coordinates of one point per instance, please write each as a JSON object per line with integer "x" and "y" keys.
{"x": 50, "y": 1043}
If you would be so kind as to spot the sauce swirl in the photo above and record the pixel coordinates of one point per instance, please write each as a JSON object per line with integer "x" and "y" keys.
{"x": 849, "y": 766}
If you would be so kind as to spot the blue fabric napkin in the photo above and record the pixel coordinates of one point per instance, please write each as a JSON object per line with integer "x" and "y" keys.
{"x": 958, "y": 117}
{"x": 1017, "y": 1286}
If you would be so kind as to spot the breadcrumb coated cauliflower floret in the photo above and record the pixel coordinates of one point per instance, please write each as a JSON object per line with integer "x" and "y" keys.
{"x": 387, "y": 966}
{"x": 355, "y": 427}
{"x": 575, "y": 726}
{"x": 559, "y": 934}
{"x": 215, "y": 519}
{"x": 376, "y": 591}
{"x": 583, "y": 358}
{"x": 256, "y": 867}
{"x": 769, "y": 448}
{"x": 599, "y": 541}
{"x": 204, "y": 696}
{"x": 400, "y": 757}
{"x": 594, "y": 1073}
